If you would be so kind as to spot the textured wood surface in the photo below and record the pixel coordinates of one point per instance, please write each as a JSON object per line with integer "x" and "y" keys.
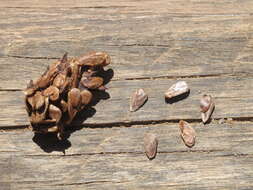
{"x": 114, "y": 158}
{"x": 209, "y": 44}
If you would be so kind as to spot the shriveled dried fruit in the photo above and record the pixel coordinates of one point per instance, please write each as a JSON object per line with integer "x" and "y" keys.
{"x": 52, "y": 92}
{"x": 177, "y": 89}
{"x": 150, "y": 145}
{"x": 94, "y": 59}
{"x": 188, "y": 134}
{"x": 53, "y": 100}
{"x": 207, "y": 107}
{"x": 92, "y": 82}
{"x": 139, "y": 97}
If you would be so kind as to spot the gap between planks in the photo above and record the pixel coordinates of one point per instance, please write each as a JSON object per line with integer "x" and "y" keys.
{"x": 235, "y": 120}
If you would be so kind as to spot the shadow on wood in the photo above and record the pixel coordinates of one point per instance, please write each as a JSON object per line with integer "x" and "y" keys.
{"x": 177, "y": 98}
{"x": 49, "y": 142}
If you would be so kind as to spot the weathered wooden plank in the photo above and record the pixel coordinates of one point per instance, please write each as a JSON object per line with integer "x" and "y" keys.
{"x": 180, "y": 6}
{"x": 232, "y": 97}
{"x": 162, "y": 45}
{"x": 101, "y": 158}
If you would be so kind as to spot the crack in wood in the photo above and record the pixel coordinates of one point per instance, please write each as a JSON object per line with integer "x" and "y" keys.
{"x": 89, "y": 182}
{"x": 143, "y": 153}
{"x": 133, "y": 123}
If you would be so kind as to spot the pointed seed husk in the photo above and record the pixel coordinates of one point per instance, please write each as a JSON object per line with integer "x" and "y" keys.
{"x": 139, "y": 97}
{"x": 188, "y": 134}
{"x": 177, "y": 89}
{"x": 150, "y": 145}
{"x": 207, "y": 107}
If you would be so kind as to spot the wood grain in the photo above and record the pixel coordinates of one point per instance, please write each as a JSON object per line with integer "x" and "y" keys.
{"x": 100, "y": 158}
{"x": 232, "y": 98}
{"x": 209, "y": 44}
{"x": 163, "y": 45}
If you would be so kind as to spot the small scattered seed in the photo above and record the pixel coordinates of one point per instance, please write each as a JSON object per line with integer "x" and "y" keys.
{"x": 188, "y": 134}
{"x": 150, "y": 145}
{"x": 177, "y": 89}
{"x": 138, "y": 98}
{"x": 207, "y": 107}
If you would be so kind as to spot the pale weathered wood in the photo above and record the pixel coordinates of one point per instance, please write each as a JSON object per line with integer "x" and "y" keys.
{"x": 142, "y": 44}
{"x": 114, "y": 157}
{"x": 207, "y": 43}
{"x": 232, "y": 97}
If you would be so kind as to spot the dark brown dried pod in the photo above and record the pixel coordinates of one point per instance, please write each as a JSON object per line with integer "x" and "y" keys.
{"x": 177, "y": 89}
{"x": 94, "y": 59}
{"x": 188, "y": 134}
{"x": 207, "y": 107}
{"x": 54, "y": 113}
{"x": 92, "y": 82}
{"x": 74, "y": 103}
{"x": 47, "y": 78}
{"x": 139, "y": 97}
{"x": 53, "y": 100}
{"x": 39, "y": 110}
{"x": 64, "y": 106}
{"x": 86, "y": 97}
{"x": 150, "y": 145}
{"x": 31, "y": 89}
{"x": 59, "y": 80}
{"x": 52, "y": 92}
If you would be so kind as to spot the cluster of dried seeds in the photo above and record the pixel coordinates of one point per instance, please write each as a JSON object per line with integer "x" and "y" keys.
{"x": 188, "y": 133}
{"x": 66, "y": 87}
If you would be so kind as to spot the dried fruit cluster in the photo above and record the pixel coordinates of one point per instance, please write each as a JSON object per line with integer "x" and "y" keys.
{"x": 66, "y": 87}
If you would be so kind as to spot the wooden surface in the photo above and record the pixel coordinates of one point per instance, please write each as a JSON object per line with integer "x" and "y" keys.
{"x": 209, "y": 44}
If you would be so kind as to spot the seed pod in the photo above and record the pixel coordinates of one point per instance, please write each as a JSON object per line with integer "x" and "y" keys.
{"x": 177, "y": 89}
{"x": 54, "y": 113}
{"x": 150, "y": 145}
{"x": 86, "y": 97}
{"x": 94, "y": 59}
{"x": 138, "y": 99}
{"x": 46, "y": 79}
{"x": 31, "y": 88}
{"x": 39, "y": 109}
{"x": 207, "y": 107}
{"x": 92, "y": 82}
{"x": 52, "y": 92}
{"x": 64, "y": 106}
{"x": 188, "y": 134}
{"x": 74, "y": 102}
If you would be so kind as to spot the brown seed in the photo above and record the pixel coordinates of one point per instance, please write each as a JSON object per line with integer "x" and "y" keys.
{"x": 74, "y": 103}
{"x": 52, "y": 92}
{"x": 138, "y": 98}
{"x": 94, "y": 59}
{"x": 188, "y": 134}
{"x": 92, "y": 82}
{"x": 177, "y": 89}
{"x": 86, "y": 96}
{"x": 31, "y": 88}
{"x": 150, "y": 145}
{"x": 206, "y": 106}
{"x": 55, "y": 113}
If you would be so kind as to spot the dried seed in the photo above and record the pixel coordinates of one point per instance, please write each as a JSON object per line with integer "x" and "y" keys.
{"x": 86, "y": 97}
{"x": 74, "y": 97}
{"x": 94, "y": 59}
{"x": 92, "y": 82}
{"x": 177, "y": 89}
{"x": 150, "y": 145}
{"x": 52, "y": 92}
{"x": 188, "y": 134}
{"x": 138, "y": 98}
{"x": 206, "y": 107}
{"x": 31, "y": 88}
{"x": 54, "y": 113}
